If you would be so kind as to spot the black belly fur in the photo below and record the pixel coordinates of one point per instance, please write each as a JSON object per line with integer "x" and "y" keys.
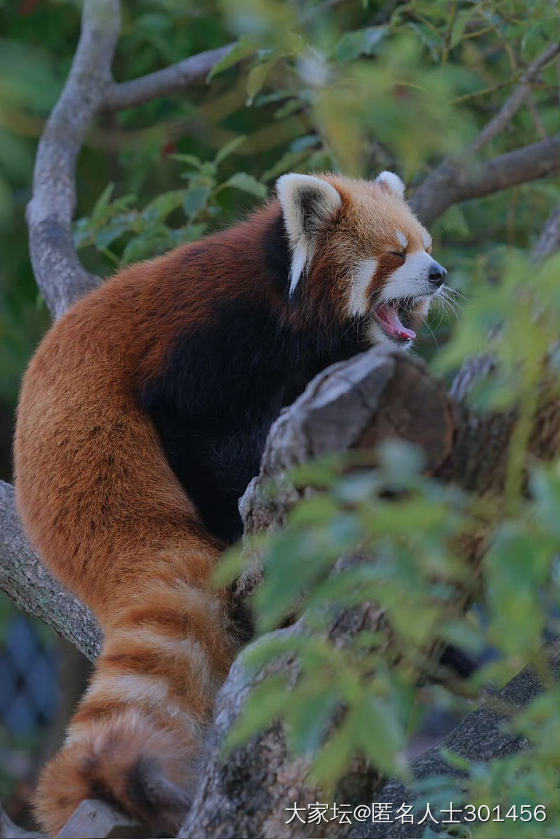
{"x": 221, "y": 390}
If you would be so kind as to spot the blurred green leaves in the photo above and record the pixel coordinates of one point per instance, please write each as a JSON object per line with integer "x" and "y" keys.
{"x": 148, "y": 231}
{"x": 389, "y": 538}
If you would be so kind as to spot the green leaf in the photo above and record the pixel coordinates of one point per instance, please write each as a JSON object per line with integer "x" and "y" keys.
{"x": 339, "y": 750}
{"x": 461, "y": 23}
{"x": 147, "y": 245}
{"x": 190, "y": 159}
{"x": 385, "y": 741}
{"x": 228, "y": 149}
{"x": 246, "y": 183}
{"x": 115, "y": 229}
{"x": 102, "y": 204}
{"x": 266, "y": 703}
{"x": 230, "y": 566}
{"x": 196, "y": 199}
{"x": 164, "y": 204}
{"x": 298, "y": 152}
{"x": 309, "y": 713}
{"x": 455, "y": 760}
{"x": 240, "y": 50}
{"x": 360, "y": 42}
{"x": 256, "y": 78}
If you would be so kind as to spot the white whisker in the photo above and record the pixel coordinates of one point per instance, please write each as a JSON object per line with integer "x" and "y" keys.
{"x": 448, "y": 301}
{"x": 433, "y": 333}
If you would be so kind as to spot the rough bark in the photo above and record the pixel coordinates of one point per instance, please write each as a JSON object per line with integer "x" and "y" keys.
{"x": 59, "y": 273}
{"x": 32, "y": 588}
{"x": 462, "y": 180}
{"x": 374, "y": 397}
{"x": 163, "y": 82}
{"x": 12, "y": 831}
{"x": 549, "y": 240}
{"x": 481, "y": 736}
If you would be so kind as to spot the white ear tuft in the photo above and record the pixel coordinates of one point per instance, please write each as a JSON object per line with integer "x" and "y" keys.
{"x": 307, "y": 205}
{"x": 391, "y": 182}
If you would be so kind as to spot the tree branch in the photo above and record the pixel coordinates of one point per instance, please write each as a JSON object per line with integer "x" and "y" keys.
{"x": 163, "y": 82}
{"x": 454, "y": 181}
{"x": 32, "y": 588}
{"x": 59, "y": 274}
{"x": 429, "y": 192}
{"x": 9, "y": 830}
{"x": 516, "y": 100}
{"x": 357, "y": 403}
{"x": 481, "y": 736}
{"x": 549, "y": 240}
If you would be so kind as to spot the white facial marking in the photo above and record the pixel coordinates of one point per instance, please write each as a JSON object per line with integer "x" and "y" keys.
{"x": 363, "y": 274}
{"x": 392, "y": 182}
{"x": 402, "y": 238}
{"x": 411, "y": 279}
{"x": 300, "y": 258}
{"x": 307, "y": 203}
{"x": 427, "y": 241}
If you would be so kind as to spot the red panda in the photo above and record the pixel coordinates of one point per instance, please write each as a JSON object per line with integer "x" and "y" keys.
{"x": 142, "y": 418}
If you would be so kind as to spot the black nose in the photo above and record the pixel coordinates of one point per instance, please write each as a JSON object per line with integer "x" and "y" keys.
{"x": 437, "y": 274}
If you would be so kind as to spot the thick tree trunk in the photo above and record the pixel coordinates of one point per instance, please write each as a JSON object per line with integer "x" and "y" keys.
{"x": 375, "y": 397}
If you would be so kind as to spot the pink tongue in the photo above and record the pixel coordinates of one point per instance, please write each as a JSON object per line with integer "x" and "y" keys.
{"x": 388, "y": 316}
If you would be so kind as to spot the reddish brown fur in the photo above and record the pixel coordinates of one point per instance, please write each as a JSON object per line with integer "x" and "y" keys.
{"x": 108, "y": 515}
{"x": 363, "y": 228}
{"x": 106, "y": 512}
{"x": 99, "y": 765}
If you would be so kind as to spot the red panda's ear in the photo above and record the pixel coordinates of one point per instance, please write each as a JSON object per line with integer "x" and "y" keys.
{"x": 307, "y": 205}
{"x": 390, "y": 182}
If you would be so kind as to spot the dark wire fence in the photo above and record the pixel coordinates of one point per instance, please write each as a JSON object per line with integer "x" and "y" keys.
{"x": 29, "y": 678}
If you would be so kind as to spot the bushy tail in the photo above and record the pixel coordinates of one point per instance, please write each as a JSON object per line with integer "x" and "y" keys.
{"x": 139, "y": 725}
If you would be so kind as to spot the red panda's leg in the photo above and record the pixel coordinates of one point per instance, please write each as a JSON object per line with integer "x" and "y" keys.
{"x": 141, "y": 720}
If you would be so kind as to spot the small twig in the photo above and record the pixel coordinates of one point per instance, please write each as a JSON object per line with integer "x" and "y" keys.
{"x": 164, "y": 82}
{"x": 486, "y": 91}
{"x": 429, "y": 200}
{"x": 516, "y": 100}
{"x": 535, "y": 116}
{"x": 449, "y": 34}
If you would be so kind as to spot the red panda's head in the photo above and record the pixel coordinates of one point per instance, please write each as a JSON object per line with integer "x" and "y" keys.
{"x": 358, "y": 245}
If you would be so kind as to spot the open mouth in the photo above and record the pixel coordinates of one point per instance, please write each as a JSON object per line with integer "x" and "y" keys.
{"x": 390, "y": 317}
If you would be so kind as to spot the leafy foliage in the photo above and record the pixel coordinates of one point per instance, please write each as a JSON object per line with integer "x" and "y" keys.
{"x": 387, "y": 535}
{"x": 147, "y": 231}
{"x": 356, "y": 87}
